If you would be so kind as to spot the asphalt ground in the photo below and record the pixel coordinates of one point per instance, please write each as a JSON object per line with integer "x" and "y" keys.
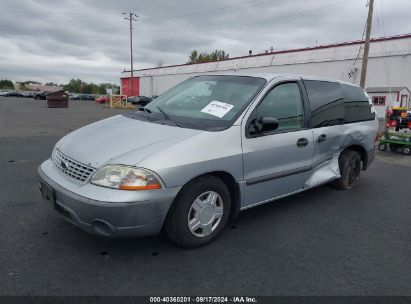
{"x": 320, "y": 242}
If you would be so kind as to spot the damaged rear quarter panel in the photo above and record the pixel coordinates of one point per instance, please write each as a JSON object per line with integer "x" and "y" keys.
{"x": 325, "y": 159}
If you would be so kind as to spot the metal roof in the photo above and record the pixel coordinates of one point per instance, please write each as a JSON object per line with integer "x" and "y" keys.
{"x": 271, "y": 76}
{"x": 386, "y": 89}
{"x": 270, "y": 54}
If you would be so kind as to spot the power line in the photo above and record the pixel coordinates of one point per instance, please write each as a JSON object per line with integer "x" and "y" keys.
{"x": 351, "y": 73}
{"x": 385, "y": 48}
{"x": 223, "y": 9}
{"x": 359, "y": 49}
{"x": 275, "y": 19}
{"x": 381, "y": 30}
{"x": 300, "y": 12}
{"x": 56, "y": 13}
{"x": 180, "y": 30}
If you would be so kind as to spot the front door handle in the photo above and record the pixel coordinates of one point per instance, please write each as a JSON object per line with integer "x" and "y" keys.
{"x": 302, "y": 142}
{"x": 322, "y": 138}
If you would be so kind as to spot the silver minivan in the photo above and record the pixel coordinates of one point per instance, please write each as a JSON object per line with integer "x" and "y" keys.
{"x": 205, "y": 150}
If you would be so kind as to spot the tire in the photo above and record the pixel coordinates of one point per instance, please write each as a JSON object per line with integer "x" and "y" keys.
{"x": 406, "y": 150}
{"x": 382, "y": 147}
{"x": 191, "y": 207}
{"x": 350, "y": 168}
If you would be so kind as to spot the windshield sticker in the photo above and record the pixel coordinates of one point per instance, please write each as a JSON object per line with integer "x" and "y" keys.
{"x": 217, "y": 108}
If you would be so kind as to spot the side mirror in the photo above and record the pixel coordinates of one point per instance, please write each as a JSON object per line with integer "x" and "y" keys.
{"x": 263, "y": 124}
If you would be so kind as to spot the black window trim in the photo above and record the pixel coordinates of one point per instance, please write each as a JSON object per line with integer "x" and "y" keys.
{"x": 368, "y": 101}
{"x": 304, "y": 104}
{"x": 344, "y": 102}
{"x": 309, "y": 104}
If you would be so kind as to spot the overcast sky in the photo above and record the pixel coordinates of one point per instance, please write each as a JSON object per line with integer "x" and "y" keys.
{"x": 52, "y": 40}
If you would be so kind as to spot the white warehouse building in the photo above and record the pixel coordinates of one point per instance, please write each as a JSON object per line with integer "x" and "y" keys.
{"x": 389, "y": 66}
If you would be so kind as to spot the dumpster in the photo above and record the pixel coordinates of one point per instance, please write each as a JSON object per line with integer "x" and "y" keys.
{"x": 58, "y": 99}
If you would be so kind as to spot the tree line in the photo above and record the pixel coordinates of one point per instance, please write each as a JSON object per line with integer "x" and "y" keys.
{"x": 79, "y": 86}
{"x": 196, "y": 57}
{"x": 74, "y": 85}
{"x": 6, "y": 84}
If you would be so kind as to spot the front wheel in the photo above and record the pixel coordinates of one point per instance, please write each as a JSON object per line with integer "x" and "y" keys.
{"x": 199, "y": 213}
{"x": 350, "y": 168}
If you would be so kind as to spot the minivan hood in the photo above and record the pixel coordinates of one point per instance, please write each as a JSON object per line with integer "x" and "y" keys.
{"x": 120, "y": 140}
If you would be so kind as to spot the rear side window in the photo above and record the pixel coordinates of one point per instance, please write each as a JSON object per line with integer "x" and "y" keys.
{"x": 326, "y": 103}
{"x": 356, "y": 103}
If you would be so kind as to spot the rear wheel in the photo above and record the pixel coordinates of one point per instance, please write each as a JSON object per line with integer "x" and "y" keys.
{"x": 350, "y": 168}
{"x": 199, "y": 213}
{"x": 406, "y": 150}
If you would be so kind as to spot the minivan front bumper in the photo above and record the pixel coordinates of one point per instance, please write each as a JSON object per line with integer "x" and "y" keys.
{"x": 105, "y": 218}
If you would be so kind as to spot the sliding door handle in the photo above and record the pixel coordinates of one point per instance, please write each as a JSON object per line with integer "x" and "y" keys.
{"x": 302, "y": 142}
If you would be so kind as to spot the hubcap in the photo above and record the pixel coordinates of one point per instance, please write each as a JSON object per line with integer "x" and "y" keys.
{"x": 205, "y": 214}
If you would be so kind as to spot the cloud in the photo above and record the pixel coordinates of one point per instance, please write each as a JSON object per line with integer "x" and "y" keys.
{"x": 57, "y": 40}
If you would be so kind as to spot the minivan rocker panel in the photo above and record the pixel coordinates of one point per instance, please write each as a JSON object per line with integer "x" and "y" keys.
{"x": 188, "y": 162}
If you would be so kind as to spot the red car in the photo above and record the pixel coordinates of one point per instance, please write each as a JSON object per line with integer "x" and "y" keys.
{"x": 102, "y": 99}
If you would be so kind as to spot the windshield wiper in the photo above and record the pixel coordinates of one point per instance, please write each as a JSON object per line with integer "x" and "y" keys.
{"x": 167, "y": 117}
{"x": 144, "y": 109}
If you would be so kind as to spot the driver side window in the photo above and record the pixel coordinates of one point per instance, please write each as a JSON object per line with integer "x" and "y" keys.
{"x": 283, "y": 103}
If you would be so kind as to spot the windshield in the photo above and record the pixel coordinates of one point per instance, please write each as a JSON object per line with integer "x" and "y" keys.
{"x": 206, "y": 102}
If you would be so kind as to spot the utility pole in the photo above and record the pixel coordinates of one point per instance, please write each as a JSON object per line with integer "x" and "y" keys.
{"x": 132, "y": 17}
{"x": 367, "y": 45}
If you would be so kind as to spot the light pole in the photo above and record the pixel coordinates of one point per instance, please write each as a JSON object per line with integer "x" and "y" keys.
{"x": 132, "y": 17}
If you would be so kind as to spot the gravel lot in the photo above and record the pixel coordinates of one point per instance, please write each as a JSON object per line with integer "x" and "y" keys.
{"x": 321, "y": 242}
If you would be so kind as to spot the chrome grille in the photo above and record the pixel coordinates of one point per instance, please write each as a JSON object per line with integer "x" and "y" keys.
{"x": 71, "y": 168}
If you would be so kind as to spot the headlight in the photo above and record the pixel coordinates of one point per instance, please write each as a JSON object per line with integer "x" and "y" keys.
{"x": 126, "y": 178}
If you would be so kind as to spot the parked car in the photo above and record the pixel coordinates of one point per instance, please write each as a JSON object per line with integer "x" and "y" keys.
{"x": 41, "y": 95}
{"x": 139, "y": 100}
{"x": 71, "y": 96}
{"x": 13, "y": 94}
{"x": 102, "y": 99}
{"x": 28, "y": 94}
{"x": 2, "y": 93}
{"x": 85, "y": 97}
{"x": 207, "y": 149}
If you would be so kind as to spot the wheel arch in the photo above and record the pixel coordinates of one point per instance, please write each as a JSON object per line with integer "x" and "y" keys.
{"x": 362, "y": 152}
{"x": 233, "y": 188}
